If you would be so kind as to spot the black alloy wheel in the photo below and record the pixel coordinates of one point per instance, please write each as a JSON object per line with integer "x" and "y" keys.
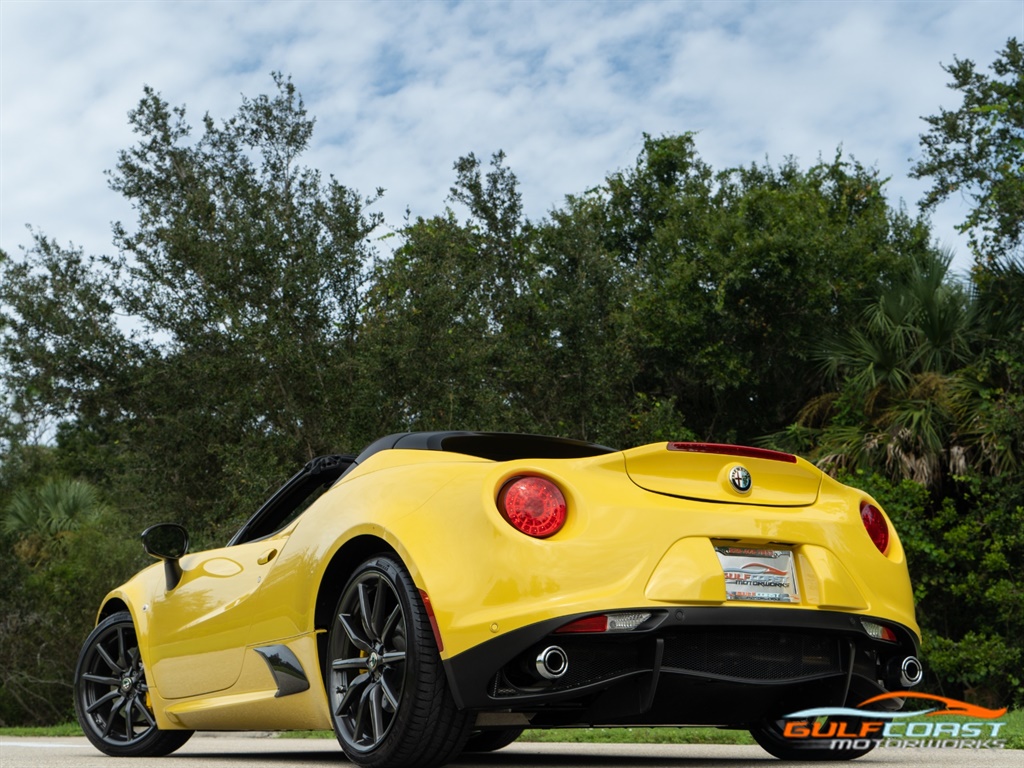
{"x": 388, "y": 692}
{"x": 112, "y": 696}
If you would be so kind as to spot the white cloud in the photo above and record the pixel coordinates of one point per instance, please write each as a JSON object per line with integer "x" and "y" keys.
{"x": 401, "y": 89}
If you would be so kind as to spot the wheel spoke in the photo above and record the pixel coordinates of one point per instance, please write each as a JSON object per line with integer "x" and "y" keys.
{"x": 366, "y": 610}
{"x": 129, "y": 729}
{"x": 357, "y": 663}
{"x": 354, "y": 688}
{"x": 110, "y": 717}
{"x": 389, "y": 625}
{"x": 122, "y": 657}
{"x": 376, "y": 713}
{"x": 378, "y": 610}
{"x": 361, "y": 708}
{"x": 388, "y": 693}
{"x": 354, "y": 635}
{"x": 101, "y": 701}
{"x": 101, "y": 680}
{"x": 107, "y": 660}
{"x": 142, "y": 710}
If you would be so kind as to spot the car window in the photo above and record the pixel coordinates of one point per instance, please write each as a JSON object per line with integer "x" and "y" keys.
{"x": 293, "y": 498}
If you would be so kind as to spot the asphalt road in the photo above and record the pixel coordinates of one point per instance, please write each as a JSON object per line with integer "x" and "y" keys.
{"x": 228, "y": 750}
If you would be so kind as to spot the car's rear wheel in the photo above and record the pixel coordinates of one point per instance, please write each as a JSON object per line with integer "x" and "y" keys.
{"x": 112, "y": 696}
{"x": 492, "y": 741}
{"x": 389, "y": 696}
{"x": 769, "y": 735}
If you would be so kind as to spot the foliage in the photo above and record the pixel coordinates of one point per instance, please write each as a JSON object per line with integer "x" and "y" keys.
{"x": 48, "y": 604}
{"x": 964, "y": 555}
{"x": 977, "y": 150}
{"x": 737, "y": 273}
{"x": 42, "y": 518}
{"x": 894, "y": 374}
{"x": 241, "y": 282}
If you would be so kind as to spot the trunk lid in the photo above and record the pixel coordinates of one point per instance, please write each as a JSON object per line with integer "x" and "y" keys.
{"x": 724, "y": 473}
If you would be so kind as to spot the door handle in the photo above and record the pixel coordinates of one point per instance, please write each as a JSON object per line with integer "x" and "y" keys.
{"x": 267, "y": 556}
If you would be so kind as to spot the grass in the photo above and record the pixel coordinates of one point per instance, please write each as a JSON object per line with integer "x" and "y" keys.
{"x": 67, "y": 729}
{"x": 640, "y": 736}
{"x": 1012, "y": 732}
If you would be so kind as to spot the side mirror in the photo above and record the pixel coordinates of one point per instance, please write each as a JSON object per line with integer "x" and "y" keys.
{"x": 167, "y": 542}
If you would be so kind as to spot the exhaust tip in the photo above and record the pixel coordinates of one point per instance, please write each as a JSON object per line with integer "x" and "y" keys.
{"x": 911, "y": 672}
{"x": 552, "y": 663}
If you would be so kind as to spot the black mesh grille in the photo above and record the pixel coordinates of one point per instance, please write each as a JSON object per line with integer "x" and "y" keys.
{"x": 589, "y": 662}
{"x": 751, "y": 655}
{"x": 741, "y": 654}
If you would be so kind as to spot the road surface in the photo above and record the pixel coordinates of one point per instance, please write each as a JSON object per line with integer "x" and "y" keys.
{"x": 222, "y": 751}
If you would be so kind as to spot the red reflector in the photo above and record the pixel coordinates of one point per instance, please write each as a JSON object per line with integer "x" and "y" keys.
{"x": 734, "y": 450}
{"x": 533, "y": 505}
{"x": 433, "y": 620}
{"x": 875, "y": 525}
{"x": 888, "y": 634}
{"x": 589, "y": 624}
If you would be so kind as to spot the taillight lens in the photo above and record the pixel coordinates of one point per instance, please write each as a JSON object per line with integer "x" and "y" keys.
{"x": 742, "y": 451}
{"x": 879, "y": 632}
{"x": 610, "y": 622}
{"x": 875, "y": 525}
{"x": 533, "y": 505}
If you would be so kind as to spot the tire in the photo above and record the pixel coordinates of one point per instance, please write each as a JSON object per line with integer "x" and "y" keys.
{"x": 492, "y": 741}
{"x": 111, "y": 694}
{"x": 769, "y": 736}
{"x": 389, "y": 697}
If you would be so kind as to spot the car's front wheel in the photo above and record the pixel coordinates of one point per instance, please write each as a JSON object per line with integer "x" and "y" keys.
{"x": 388, "y": 692}
{"x": 112, "y": 695}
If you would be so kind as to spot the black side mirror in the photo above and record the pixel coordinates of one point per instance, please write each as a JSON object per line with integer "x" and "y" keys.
{"x": 167, "y": 542}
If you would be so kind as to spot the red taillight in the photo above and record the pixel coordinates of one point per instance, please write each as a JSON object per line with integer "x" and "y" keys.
{"x": 734, "y": 450}
{"x": 533, "y": 505}
{"x": 875, "y": 525}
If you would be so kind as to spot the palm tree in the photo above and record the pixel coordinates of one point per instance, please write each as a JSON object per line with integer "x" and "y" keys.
{"x": 895, "y": 375}
{"x": 40, "y": 518}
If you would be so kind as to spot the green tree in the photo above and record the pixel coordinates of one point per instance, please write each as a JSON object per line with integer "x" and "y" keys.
{"x": 989, "y": 400}
{"x": 737, "y": 274}
{"x": 978, "y": 150}
{"x": 449, "y": 324}
{"x": 589, "y": 363}
{"x": 240, "y": 281}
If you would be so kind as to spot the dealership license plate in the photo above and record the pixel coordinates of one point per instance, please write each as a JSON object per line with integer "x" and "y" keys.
{"x": 761, "y": 575}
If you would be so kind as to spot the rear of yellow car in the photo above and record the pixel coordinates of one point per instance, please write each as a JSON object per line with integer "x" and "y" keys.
{"x": 670, "y": 584}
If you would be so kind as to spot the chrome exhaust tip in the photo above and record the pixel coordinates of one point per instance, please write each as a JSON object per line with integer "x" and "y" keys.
{"x": 552, "y": 663}
{"x": 911, "y": 672}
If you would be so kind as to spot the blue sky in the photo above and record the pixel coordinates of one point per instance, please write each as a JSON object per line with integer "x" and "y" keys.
{"x": 401, "y": 89}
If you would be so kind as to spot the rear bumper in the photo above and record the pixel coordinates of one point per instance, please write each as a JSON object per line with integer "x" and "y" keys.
{"x": 705, "y": 665}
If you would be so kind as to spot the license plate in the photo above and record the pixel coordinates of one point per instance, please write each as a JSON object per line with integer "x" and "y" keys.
{"x": 759, "y": 575}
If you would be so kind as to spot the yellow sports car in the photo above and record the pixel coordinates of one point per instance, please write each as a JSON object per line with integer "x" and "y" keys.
{"x": 442, "y": 591}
